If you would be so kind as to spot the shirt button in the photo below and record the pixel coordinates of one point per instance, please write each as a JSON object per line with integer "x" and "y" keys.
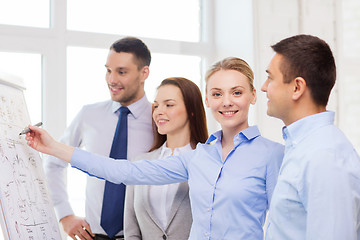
{"x": 209, "y": 209}
{"x": 164, "y": 237}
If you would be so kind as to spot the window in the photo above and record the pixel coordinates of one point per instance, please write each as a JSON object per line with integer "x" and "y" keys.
{"x": 171, "y": 65}
{"x": 61, "y": 56}
{"x": 174, "y": 19}
{"x": 86, "y": 75}
{"x": 28, "y": 67}
{"x": 25, "y": 13}
{"x": 85, "y": 78}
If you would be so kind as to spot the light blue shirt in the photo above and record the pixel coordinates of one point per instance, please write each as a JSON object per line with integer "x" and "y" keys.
{"x": 229, "y": 199}
{"x": 318, "y": 191}
{"x": 93, "y": 129}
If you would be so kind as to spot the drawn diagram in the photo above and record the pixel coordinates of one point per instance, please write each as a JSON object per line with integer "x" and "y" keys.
{"x": 27, "y": 211}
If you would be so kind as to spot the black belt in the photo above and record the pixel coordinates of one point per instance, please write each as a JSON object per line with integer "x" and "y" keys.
{"x": 104, "y": 237}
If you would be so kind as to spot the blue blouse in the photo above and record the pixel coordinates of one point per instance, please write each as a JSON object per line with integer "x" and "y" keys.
{"x": 229, "y": 198}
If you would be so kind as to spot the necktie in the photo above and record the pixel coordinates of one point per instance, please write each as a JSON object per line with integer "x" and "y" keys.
{"x": 112, "y": 214}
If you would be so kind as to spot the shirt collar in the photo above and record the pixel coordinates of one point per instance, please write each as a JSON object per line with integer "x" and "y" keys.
{"x": 165, "y": 151}
{"x": 215, "y": 136}
{"x": 297, "y": 131}
{"x": 246, "y": 134}
{"x": 136, "y": 109}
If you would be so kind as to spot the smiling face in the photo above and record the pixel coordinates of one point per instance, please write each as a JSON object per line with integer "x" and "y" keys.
{"x": 229, "y": 96}
{"x": 125, "y": 80}
{"x": 278, "y": 93}
{"x": 169, "y": 113}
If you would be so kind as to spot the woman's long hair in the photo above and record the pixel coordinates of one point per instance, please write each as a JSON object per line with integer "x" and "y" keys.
{"x": 194, "y": 108}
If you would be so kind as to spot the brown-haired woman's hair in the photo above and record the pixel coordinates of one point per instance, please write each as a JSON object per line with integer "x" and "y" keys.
{"x": 232, "y": 63}
{"x": 194, "y": 109}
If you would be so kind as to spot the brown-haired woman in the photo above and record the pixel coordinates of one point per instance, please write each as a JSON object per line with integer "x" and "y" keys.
{"x": 154, "y": 211}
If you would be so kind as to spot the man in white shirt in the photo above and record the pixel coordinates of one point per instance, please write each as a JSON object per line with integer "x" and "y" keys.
{"x": 93, "y": 128}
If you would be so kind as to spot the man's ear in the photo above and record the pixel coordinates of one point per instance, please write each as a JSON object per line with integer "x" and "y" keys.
{"x": 145, "y": 72}
{"x": 299, "y": 88}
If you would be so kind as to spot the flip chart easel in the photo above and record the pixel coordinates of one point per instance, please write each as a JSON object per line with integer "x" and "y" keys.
{"x": 26, "y": 210}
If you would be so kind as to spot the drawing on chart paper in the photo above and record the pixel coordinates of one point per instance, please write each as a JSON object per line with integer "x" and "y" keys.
{"x": 26, "y": 208}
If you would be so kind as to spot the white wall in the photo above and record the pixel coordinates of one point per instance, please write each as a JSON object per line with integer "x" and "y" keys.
{"x": 247, "y": 29}
{"x": 232, "y": 31}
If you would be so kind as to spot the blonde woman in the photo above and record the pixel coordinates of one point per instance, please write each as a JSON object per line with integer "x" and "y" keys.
{"x": 231, "y": 177}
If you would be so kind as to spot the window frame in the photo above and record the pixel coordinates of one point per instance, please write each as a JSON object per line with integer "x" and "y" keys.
{"x": 52, "y": 44}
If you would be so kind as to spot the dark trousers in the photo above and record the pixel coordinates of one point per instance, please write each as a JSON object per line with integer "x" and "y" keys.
{"x": 104, "y": 237}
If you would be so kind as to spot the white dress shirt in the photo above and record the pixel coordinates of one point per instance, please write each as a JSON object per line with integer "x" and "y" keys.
{"x": 162, "y": 196}
{"x": 93, "y": 129}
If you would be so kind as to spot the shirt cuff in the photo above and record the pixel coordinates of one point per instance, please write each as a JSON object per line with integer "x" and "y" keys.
{"x": 62, "y": 210}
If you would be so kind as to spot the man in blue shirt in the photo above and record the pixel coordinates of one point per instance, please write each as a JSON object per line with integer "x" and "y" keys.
{"x": 317, "y": 195}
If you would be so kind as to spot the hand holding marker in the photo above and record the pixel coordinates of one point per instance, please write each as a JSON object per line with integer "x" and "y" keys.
{"x": 26, "y": 130}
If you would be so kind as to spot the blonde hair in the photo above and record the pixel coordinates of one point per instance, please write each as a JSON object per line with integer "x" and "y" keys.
{"x": 232, "y": 63}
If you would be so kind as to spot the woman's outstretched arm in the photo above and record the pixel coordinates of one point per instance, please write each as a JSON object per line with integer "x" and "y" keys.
{"x": 156, "y": 172}
{"x": 40, "y": 140}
